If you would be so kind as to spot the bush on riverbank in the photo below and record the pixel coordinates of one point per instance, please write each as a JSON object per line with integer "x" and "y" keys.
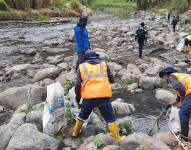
{"x": 35, "y": 9}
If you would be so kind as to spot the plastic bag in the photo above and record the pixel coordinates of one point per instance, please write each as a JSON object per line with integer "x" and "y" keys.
{"x": 53, "y": 114}
{"x": 174, "y": 120}
{"x": 180, "y": 46}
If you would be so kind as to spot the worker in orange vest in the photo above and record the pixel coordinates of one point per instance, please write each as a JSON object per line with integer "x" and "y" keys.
{"x": 93, "y": 86}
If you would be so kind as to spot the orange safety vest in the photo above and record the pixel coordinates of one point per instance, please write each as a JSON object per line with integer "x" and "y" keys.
{"x": 95, "y": 81}
{"x": 185, "y": 80}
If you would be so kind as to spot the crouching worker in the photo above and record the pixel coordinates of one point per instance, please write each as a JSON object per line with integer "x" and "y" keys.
{"x": 93, "y": 85}
{"x": 182, "y": 84}
{"x": 187, "y": 47}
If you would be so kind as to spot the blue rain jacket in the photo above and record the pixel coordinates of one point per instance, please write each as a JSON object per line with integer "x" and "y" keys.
{"x": 82, "y": 40}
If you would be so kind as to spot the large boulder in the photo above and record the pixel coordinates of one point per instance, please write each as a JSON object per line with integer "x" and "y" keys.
{"x": 153, "y": 70}
{"x": 133, "y": 69}
{"x": 149, "y": 83}
{"x": 21, "y": 67}
{"x": 142, "y": 141}
{"x": 27, "y": 136}
{"x": 114, "y": 66}
{"x": 164, "y": 95}
{"x": 51, "y": 73}
{"x": 122, "y": 108}
{"x": 16, "y": 96}
{"x": 66, "y": 76}
{"x": 7, "y": 131}
{"x": 34, "y": 117}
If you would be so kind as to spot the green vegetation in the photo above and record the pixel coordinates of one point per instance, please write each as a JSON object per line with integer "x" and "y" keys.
{"x": 187, "y": 28}
{"x": 3, "y": 5}
{"x": 120, "y": 8}
{"x": 68, "y": 84}
{"x": 126, "y": 128}
{"x": 59, "y": 136}
{"x": 100, "y": 143}
{"x": 125, "y": 82}
{"x": 38, "y": 9}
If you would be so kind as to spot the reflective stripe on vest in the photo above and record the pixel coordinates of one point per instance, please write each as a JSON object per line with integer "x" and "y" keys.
{"x": 88, "y": 76}
{"x": 185, "y": 80}
{"x": 95, "y": 81}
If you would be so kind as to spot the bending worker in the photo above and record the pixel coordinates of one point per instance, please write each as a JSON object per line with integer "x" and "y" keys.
{"x": 93, "y": 85}
{"x": 182, "y": 84}
{"x": 187, "y": 43}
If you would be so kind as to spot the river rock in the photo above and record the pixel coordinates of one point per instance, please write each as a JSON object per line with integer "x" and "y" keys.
{"x": 73, "y": 144}
{"x": 51, "y": 73}
{"x": 64, "y": 66}
{"x": 142, "y": 141}
{"x": 122, "y": 108}
{"x": 55, "y": 59}
{"x": 116, "y": 86}
{"x": 124, "y": 73}
{"x": 114, "y": 66}
{"x": 95, "y": 120}
{"x": 7, "y": 131}
{"x": 107, "y": 140}
{"x": 27, "y": 136}
{"x": 153, "y": 70}
{"x": 99, "y": 50}
{"x": 181, "y": 64}
{"x": 34, "y": 117}
{"x": 132, "y": 86}
{"x": 20, "y": 68}
{"x": 2, "y": 109}
{"x": 167, "y": 138}
{"x": 188, "y": 70}
{"x": 149, "y": 83}
{"x": 46, "y": 82}
{"x": 164, "y": 95}
{"x": 30, "y": 52}
{"x": 16, "y": 96}
{"x": 133, "y": 69}
{"x": 66, "y": 76}
{"x": 111, "y": 147}
{"x": 90, "y": 130}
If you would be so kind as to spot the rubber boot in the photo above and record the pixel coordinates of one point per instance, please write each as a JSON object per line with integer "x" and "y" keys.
{"x": 113, "y": 128}
{"x": 77, "y": 128}
{"x": 184, "y": 128}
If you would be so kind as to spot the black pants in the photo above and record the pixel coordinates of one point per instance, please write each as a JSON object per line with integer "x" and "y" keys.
{"x": 81, "y": 57}
{"x": 174, "y": 27}
{"x": 141, "y": 45}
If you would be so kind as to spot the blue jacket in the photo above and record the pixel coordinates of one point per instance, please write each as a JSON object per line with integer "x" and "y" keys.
{"x": 82, "y": 40}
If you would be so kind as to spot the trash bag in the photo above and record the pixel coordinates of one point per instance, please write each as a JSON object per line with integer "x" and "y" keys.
{"x": 53, "y": 114}
{"x": 174, "y": 120}
{"x": 180, "y": 46}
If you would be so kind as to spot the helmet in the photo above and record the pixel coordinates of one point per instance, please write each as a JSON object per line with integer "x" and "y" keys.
{"x": 168, "y": 70}
{"x": 142, "y": 24}
{"x": 91, "y": 55}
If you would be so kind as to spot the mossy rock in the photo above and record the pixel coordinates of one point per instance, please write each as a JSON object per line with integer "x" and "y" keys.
{"x": 3, "y": 5}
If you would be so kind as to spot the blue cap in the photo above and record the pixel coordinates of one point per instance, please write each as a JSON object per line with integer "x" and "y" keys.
{"x": 91, "y": 55}
{"x": 168, "y": 70}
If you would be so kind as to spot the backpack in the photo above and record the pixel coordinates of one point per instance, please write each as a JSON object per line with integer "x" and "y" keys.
{"x": 175, "y": 20}
{"x": 141, "y": 32}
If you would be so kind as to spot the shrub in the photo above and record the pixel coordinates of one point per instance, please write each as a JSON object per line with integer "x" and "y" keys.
{"x": 100, "y": 143}
{"x": 23, "y": 4}
{"x": 126, "y": 128}
{"x": 3, "y": 5}
{"x": 75, "y": 5}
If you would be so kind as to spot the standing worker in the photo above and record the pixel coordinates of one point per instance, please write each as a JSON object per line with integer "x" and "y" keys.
{"x": 182, "y": 84}
{"x": 141, "y": 35}
{"x": 169, "y": 15}
{"x": 93, "y": 85}
{"x": 82, "y": 39}
{"x": 174, "y": 22}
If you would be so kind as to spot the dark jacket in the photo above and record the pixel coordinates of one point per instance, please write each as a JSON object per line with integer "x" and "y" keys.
{"x": 79, "y": 79}
{"x": 144, "y": 37}
{"x": 82, "y": 39}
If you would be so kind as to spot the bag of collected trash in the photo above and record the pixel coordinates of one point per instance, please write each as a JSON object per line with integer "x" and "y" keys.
{"x": 180, "y": 46}
{"x": 53, "y": 114}
{"x": 174, "y": 120}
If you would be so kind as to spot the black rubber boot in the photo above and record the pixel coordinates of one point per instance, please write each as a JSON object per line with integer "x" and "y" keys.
{"x": 184, "y": 128}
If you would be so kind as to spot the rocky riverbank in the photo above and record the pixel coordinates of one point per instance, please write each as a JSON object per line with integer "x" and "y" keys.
{"x": 23, "y": 82}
